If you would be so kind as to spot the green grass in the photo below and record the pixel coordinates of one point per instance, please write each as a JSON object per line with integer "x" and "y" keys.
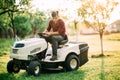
{"x": 114, "y": 37}
{"x": 106, "y": 68}
{"x": 5, "y": 46}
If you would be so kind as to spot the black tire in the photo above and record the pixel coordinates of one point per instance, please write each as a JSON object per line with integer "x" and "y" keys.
{"x": 13, "y": 67}
{"x": 10, "y": 66}
{"x": 34, "y": 68}
{"x": 16, "y": 68}
{"x": 72, "y": 63}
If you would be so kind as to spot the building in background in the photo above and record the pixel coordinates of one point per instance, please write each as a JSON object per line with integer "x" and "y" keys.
{"x": 113, "y": 27}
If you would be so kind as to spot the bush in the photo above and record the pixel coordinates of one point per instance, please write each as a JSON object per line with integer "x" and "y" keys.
{"x": 22, "y": 26}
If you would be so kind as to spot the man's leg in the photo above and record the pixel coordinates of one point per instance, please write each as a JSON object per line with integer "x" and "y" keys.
{"x": 54, "y": 40}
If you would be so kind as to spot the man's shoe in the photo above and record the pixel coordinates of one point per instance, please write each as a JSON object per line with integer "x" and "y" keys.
{"x": 53, "y": 58}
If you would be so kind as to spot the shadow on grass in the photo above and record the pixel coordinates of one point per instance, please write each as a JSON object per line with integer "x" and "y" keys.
{"x": 54, "y": 71}
{"x": 53, "y": 75}
{"x": 74, "y": 75}
{"x": 7, "y": 76}
{"x": 102, "y": 74}
{"x": 2, "y": 54}
{"x": 100, "y": 56}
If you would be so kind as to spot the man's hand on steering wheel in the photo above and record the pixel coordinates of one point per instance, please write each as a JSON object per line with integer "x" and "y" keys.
{"x": 48, "y": 33}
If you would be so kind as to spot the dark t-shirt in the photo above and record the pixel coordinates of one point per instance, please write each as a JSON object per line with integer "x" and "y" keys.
{"x": 59, "y": 26}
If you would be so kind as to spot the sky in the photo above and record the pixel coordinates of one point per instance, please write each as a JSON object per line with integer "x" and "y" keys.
{"x": 54, "y": 4}
{"x": 115, "y": 14}
{"x": 45, "y": 5}
{"x": 70, "y": 5}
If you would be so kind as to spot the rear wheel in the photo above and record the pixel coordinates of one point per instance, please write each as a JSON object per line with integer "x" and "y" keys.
{"x": 13, "y": 67}
{"x": 34, "y": 68}
{"x": 72, "y": 63}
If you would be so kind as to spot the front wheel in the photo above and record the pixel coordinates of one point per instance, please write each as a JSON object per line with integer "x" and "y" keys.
{"x": 72, "y": 63}
{"x": 13, "y": 67}
{"x": 34, "y": 68}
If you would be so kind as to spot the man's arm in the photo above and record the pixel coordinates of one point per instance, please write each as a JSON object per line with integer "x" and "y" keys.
{"x": 52, "y": 33}
{"x": 49, "y": 26}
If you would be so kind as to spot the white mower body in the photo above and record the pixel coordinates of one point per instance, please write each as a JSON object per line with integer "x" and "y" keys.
{"x": 63, "y": 52}
{"x": 34, "y": 54}
{"x": 23, "y": 49}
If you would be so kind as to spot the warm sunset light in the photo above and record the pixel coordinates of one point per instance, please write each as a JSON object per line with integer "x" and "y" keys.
{"x": 54, "y": 5}
{"x": 69, "y": 6}
{"x": 101, "y": 1}
{"x": 60, "y": 39}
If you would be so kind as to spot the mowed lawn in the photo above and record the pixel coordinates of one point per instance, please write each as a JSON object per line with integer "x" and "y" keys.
{"x": 105, "y": 68}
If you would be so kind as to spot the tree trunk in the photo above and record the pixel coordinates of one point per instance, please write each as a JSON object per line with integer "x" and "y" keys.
{"x": 101, "y": 42}
{"x": 12, "y": 23}
{"x": 75, "y": 24}
{"x": 11, "y": 32}
{"x": 76, "y": 32}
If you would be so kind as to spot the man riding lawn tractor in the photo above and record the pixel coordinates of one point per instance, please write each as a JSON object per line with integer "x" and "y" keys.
{"x": 35, "y": 55}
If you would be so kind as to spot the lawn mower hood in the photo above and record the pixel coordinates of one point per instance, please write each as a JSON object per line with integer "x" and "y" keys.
{"x": 23, "y": 49}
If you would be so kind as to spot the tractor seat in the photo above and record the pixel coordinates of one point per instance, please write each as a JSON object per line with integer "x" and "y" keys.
{"x": 63, "y": 41}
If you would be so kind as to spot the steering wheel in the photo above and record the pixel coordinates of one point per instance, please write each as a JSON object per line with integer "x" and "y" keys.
{"x": 41, "y": 34}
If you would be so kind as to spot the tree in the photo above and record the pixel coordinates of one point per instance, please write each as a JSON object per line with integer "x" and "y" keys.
{"x": 38, "y": 22}
{"x": 95, "y": 14}
{"x": 10, "y": 7}
{"x": 4, "y": 27}
{"x": 22, "y": 26}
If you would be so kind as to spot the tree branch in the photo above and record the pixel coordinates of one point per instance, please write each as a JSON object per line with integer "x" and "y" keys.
{"x": 9, "y": 10}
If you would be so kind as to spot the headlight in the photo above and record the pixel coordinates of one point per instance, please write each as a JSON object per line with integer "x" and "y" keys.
{"x": 14, "y": 51}
{"x": 19, "y": 45}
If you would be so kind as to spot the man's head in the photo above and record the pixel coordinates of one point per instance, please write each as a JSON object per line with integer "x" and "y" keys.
{"x": 54, "y": 14}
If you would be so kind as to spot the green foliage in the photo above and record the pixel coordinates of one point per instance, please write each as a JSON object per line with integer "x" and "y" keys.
{"x": 13, "y": 22}
{"x": 38, "y": 22}
{"x": 4, "y": 26}
{"x": 95, "y": 14}
{"x": 6, "y": 3}
{"x": 9, "y": 8}
{"x": 22, "y": 26}
{"x": 5, "y": 46}
{"x": 1, "y": 23}
{"x": 10, "y": 4}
